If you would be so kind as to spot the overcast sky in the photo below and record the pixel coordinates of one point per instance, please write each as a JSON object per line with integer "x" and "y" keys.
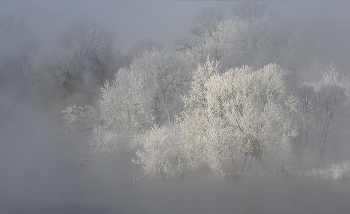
{"x": 134, "y": 20}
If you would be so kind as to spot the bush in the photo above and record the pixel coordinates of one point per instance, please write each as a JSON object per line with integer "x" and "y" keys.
{"x": 336, "y": 171}
{"x": 161, "y": 157}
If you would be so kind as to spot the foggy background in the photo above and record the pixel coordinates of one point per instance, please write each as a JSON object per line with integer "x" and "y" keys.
{"x": 162, "y": 21}
{"x": 39, "y": 166}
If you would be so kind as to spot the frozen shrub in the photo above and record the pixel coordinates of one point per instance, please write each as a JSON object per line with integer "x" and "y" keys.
{"x": 161, "y": 157}
{"x": 336, "y": 171}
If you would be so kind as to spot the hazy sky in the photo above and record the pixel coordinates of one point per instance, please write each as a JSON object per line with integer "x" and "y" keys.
{"x": 36, "y": 161}
{"x": 133, "y": 20}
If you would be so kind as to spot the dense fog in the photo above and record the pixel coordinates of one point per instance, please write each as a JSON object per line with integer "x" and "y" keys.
{"x": 174, "y": 107}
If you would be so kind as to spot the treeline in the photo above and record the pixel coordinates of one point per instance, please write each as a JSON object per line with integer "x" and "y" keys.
{"x": 206, "y": 109}
{"x": 71, "y": 68}
{"x": 239, "y": 93}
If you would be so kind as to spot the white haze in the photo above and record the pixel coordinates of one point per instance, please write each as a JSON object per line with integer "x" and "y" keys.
{"x": 162, "y": 21}
{"x": 40, "y": 168}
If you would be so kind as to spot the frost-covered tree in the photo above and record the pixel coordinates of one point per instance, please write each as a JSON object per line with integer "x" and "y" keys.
{"x": 163, "y": 78}
{"x": 243, "y": 116}
{"x": 120, "y": 115}
{"x": 197, "y": 146}
{"x": 138, "y": 48}
{"x": 147, "y": 93}
{"x": 251, "y": 37}
{"x": 161, "y": 157}
{"x": 321, "y": 107}
{"x": 122, "y": 111}
{"x": 331, "y": 100}
{"x": 238, "y": 112}
{"x": 79, "y": 119}
{"x": 256, "y": 42}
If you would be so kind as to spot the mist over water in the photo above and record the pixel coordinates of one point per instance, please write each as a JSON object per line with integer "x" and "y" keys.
{"x": 41, "y": 173}
{"x": 42, "y": 170}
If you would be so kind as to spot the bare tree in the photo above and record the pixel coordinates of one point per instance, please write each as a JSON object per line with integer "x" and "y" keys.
{"x": 77, "y": 66}
{"x": 84, "y": 37}
{"x": 331, "y": 91}
{"x": 250, "y": 10}
{"x": 93, "y": 47}
{"x": 322, "y": 105}
{"x": 205, "y": 24}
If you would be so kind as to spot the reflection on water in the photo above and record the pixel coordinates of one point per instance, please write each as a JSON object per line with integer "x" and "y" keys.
{"x": 252, "y": 195}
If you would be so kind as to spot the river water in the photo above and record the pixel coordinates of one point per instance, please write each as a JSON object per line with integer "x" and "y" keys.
{"x": 244, "y": 195}
{"x": 40, "y": 174}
